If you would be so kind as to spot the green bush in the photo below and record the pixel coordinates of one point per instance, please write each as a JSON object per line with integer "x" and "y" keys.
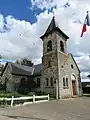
{"x": 9, "y": 95}
{"x": 40, "y": 93}
{"x": 31, "y": 93}
{"x": 3, "y": 102}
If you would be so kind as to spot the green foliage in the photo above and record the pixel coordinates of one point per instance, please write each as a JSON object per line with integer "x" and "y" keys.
{"x": 52, "y": 97}
{"x": 3, "y": 102}
{"x": 31, "y": 93}
{"x": 2, "y": 86}
{"x": 17, "y": 62}
{"x": 9, "y": 95}
{"x": 27, "y": 62}
{"x": 40, "y": 93}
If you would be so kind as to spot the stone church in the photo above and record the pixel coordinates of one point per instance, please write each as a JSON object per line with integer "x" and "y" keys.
{"x": 58, "y": 74}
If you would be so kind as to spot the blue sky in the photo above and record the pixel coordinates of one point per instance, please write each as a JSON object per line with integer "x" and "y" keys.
{"x": 20, "y": 9}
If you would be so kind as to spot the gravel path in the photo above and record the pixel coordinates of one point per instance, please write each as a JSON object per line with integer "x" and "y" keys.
{"x": 69, "y": 109}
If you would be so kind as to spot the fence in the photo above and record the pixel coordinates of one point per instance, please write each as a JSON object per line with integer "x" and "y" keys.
{"x": 27, "y": 98}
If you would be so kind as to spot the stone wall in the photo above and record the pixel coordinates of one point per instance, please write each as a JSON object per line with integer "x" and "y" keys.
{"x": 7, "y": 75}
{"x": 60, "y": 67}
{"x": 12, "y": 82}
{"x": 38, "y": 89}
{"x": 65, "y": 70}
{"x": 49, "y": 71}
{"x": 75, "y": 72}
{"x": 17, "y": 81}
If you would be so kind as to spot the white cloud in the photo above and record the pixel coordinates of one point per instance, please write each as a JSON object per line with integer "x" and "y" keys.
{"x": 48, "y": 4}
{"x": 21, "y": 38}
{"x": 70, "y": 20}
{"x": 1, "y": 21}
{"x": 43, "y": 3}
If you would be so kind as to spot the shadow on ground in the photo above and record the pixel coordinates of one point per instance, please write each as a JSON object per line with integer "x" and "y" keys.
{"x": 23, "y": 117}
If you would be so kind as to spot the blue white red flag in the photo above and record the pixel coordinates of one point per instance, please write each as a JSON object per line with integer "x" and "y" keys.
{"x": 86, "y": 23}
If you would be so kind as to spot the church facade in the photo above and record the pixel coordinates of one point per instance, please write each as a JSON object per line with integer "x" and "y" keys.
{"x": 60, "y": 71}
{"x": 58, "y": 74}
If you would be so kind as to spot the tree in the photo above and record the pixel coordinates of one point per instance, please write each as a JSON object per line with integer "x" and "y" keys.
{"x": 0, "y": 57}
{"x": 27, "y": 62}
{"x": 17, "y": 62}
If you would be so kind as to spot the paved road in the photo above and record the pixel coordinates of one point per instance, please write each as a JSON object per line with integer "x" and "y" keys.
{"x": 70, "y": 109}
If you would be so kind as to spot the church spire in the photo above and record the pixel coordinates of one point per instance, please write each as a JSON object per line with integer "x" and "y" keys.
{"x": 53, "y": 27}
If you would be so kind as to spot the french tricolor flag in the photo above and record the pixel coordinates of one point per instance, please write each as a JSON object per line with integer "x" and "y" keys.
{"x": 86, "y": 23}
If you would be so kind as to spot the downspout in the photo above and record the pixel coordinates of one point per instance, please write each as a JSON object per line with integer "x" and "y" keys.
{"x": 57, "y": 70}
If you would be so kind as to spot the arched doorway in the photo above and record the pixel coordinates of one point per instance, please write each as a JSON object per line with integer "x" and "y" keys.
{"x": 73, "y": 79}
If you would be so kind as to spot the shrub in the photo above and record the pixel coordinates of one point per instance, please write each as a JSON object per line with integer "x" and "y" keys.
{"x": 9, "y": 95}
{"x": 3, "y": 102}
{"x": 40, "y": 93}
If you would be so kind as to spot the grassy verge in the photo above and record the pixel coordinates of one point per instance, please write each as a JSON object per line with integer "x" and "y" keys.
{"x": 52, "y": 97}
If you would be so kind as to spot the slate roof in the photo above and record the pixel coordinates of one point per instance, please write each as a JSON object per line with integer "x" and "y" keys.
{"x": 52, "y": 26}
{"x": 21, "y": 69}
{"x": 37, "y": 70}
{"x": 18, "y": 69}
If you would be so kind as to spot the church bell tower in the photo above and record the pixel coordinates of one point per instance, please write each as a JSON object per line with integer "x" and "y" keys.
{"x": 54, "y": 42}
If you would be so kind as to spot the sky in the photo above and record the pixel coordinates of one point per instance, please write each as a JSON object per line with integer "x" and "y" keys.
{"x": 23, "y": 22}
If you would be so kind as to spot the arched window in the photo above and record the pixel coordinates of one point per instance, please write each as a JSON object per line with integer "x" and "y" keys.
{"x": 47, "y": 82}
{"x": 51, "y": 81}
{"x": 38, "y": 82}
{"x": 22, "y": 85}
{"x": 6, "y": 79}
{"x": 62, "y": 46}
{"x": 49, "y": 46}
{"x": 66, "y": 82}
{"x": 63, "y": 82}
{"x": 49, "y": 63}
{"x": 23, "y": 81}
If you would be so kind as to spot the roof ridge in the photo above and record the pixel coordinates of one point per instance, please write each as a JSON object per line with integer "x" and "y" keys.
{"x": 20, "y": 64}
